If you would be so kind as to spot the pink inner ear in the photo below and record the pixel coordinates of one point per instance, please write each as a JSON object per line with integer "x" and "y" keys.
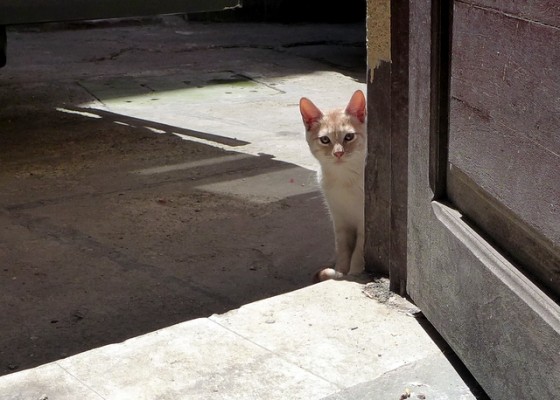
{"x": 309, "y": 112}
{"x": 357, "y": 106}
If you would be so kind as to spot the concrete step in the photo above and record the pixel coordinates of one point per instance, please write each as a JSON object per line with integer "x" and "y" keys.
{"x": 332, "y": 340}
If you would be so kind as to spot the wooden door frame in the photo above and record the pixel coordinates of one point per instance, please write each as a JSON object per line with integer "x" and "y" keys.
{"x": 386, "y": 180}
{"x": 386, "y": 184}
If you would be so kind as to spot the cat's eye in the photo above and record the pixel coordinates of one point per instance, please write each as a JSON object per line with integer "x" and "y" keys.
{"x": 324, "y": 139}
{"x": 349, "y": 137}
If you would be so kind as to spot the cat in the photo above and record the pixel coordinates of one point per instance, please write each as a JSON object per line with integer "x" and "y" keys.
{"x": 338, "y": 140}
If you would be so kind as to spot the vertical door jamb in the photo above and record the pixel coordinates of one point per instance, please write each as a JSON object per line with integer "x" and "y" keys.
{"x": 386, "y": 183}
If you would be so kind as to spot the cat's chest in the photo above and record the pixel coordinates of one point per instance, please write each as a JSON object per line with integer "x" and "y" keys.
{"x": 342, "y": 180}
{"x": 346, "y": 203}
{"x": 343, "y": 190}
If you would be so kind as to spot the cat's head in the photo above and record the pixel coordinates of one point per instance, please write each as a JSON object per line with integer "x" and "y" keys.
{"x": 336, "y": 136}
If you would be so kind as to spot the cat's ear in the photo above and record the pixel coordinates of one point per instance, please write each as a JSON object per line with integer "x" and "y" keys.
{"x": 309, "y": 112}
{"x": 357, "y": 106}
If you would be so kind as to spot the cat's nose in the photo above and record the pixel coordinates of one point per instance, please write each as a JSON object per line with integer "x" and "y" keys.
{"x": 338, "y": 154}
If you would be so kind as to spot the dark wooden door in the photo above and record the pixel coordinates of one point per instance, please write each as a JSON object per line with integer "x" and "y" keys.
{"x": 483, "y": 259}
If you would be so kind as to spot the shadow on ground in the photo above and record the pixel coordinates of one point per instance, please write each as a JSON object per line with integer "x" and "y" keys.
{"x": 112, "y": 225}
{"x": 110, "y": 230}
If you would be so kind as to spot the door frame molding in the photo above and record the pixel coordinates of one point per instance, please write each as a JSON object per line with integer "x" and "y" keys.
{"x": 386, "y": 178}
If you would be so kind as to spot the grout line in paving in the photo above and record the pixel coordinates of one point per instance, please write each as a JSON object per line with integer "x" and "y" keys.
{"x": 339, "y": 387}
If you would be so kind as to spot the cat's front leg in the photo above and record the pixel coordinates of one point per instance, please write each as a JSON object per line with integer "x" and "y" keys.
{"x": 344, "y": 239}
{"x": 357, "y": 263}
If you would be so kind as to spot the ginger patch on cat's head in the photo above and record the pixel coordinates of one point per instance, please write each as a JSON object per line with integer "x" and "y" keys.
{"x": 337, "y": 135}
{"x": 312, "y": 116}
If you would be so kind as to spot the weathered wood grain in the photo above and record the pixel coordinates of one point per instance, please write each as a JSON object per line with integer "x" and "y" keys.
{"x": 386, "y": 170}
{"x": 504, "y": 134}
{"x": 503, "y": 327}
{"x": 546, "y": 12}
{"x": 378, "y": 173}
{"x": 399, "y": 143}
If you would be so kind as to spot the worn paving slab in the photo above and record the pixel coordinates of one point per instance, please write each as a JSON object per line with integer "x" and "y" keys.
{"x": 199, "y": 360}
{"x": 325, "y": 340}
{"x": 44, "y": 382}
{"x": 432, "y": 377}
{"x": 341, "y": 335}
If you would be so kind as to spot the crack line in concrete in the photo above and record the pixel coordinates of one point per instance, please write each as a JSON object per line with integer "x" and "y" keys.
{"x": 276, "y": 354}
{"x": 80, "y": 381}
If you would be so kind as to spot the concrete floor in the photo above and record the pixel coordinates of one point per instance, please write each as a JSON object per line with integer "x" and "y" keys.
{"x": 335, "y": 340}
{"x": 156, "y": 173}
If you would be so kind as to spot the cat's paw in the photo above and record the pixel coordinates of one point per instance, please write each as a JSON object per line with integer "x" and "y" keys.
{"x": 326, "y": 274}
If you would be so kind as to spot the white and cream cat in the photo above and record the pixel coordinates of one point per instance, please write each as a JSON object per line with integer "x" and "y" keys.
{"x": 338, "y": 140}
